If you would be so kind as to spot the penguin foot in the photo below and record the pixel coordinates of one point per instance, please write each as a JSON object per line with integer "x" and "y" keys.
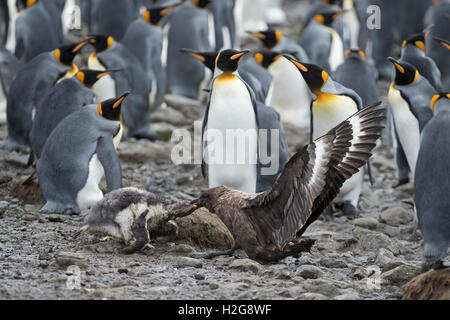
{"x": 53, "y": 207}
{"x": 349, "y": 210}
{"x": 147, "y": 134}
{"x": 11, "y": 145}
{"x": 401, "y": 182}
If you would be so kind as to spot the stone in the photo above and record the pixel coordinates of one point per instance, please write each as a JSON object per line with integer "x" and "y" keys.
{"x": 309, "y": 272}
{"x": 349, "y": 294}
{"x": 313, "y": 296}
{"x": 199, "y": 276}
{"x": 401, "y": 274}
{"x": 164, "y": 130}
{"x": 171, "y": 116}
{"x": 246, "y": 265}
{"x": 184, "y": 262}
{"x": 323, "y": 287}
{"x": 432, "y": 285}
{"x": 372, "y": 241}
{"x": 332, "y": 263}
{"x": 150, "y": 152}
{"x": 365, "y": 222}
{"x": 396, "y": 216}
{"x": 192, "y": 109}
{"x": 205, "y": 230}
{"x": 65, "y": 259}
{"x": 386, "y": 260}
{"x": 182, "y": 248}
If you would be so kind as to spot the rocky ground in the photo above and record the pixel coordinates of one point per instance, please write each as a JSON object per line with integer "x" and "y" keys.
{"x": 370, "y": 257}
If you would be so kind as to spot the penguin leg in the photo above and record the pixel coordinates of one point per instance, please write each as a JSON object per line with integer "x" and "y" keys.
{"x": 53, "y": 207}
{"x": 140, "y": 233}
{"x": 349, "y": 210}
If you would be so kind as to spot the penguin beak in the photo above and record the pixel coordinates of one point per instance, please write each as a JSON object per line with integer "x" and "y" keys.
{"x": 427, "y": 30}
{"x": 397, "y": 65}
{"x": 239, "y": 55}
{"x": 80, "y": 45}
{"x": 194, "y": 54}
{"x": 257, "y": 34}
{"x": 296, "y": 63}
{"x": 120, "y": 100}
{"x": 107, "y": 72}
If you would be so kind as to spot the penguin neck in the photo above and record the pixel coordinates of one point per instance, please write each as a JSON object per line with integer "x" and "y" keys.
{"x": 69, "y": 74}
{"x": 441, "y": 107}
{"x": 412, "y": 50}
{"x": 227, "y": 76}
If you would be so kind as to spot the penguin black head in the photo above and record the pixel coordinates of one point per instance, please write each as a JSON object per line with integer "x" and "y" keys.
{"x": 265, "y": 58}
{"x": 270, "y": 38}
{"x": 100, "y": 42}
{"x": 154, "y": 15}
{"x": 89, "y": 77}
{"x": 207, "y": 58}
{"x": 24, "y": 4}
{"x": 66, "y": 54}
{"x": 355, "y": 53}
{"x": 443, "y": 42}
{"x": 201, "y": 3}
{"x": 315, "y": 77}
{"x": 327, "y": 18}
{"x": 418, "y": 39}
{"x": 405, "y": 73}
{"x": 436, "y": 97}
{"x": 228, "y": 60}
{"x": 110, "y": 109}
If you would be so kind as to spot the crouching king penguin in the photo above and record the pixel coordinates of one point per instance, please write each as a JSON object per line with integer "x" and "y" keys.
{"x": 333, "y": 104}
{"x": 76, "y": 155}
{"x": 431, "y": 184}
{"x": 231, "y": 132}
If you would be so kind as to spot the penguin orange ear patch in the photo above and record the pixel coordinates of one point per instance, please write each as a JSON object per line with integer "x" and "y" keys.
{"x": 99, "y": 109}
{"x": 146, "y": 16}
{"x": 420, "y": 45}
{"x": 80, "y": 76}
{"x": 300, "y": 66}
{"x": 319, "y": 18}
{"x": 259, "y": 58}
{"x": 58, "y": 55}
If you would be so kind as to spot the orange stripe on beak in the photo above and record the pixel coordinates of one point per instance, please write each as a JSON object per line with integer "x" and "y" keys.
{"x": 399, "y": 67}
{"x": 197, "y": 56}
{"x": 118, "y": 102}
{"x": 100, "y": 75}
{"x": 300, "y": 66}
{"x": 237, "y": 55}
{"x": 79, "y": 46}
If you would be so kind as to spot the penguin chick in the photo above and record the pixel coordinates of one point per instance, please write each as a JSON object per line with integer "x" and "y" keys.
{"x": 130, "y": 213}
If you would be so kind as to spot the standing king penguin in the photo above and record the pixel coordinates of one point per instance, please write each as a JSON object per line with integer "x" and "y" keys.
{"x": 288, "y": 94}
{"x": 61, "y": 100}
{"x": 111, "y": 54}
{"x": 431, "y": 184}
{"x": 189, "y": 28}
{"x": 29, "y": 87}
{"x": 231, "y": 106}
{"x": 409, "y": 96}
{"x": 144, "y": 38}
{"x": 333, "y": 104}
{"x": 9, "y": 65}
{"x": 321, "y": 42}
{"x": 76, "y": 155}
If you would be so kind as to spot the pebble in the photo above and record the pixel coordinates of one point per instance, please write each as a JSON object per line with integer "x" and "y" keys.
{"x": 246, "y": 265}
{"x": 184, "y": 262}
{"x": 313, "y": 296}
{"x": 365, "y": 222}
{"x": 309, "y": 272}
{"x": 396, "y": 216}
{"x": 65, "y": 259}
{"x": 401, "y": 274}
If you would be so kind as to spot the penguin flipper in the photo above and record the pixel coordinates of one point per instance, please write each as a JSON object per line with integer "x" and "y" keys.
{"x": 140, "y": 233}
{"x": 107, "y": 155}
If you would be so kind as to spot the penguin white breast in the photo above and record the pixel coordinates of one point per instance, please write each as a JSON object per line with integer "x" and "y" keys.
{"x": 2, "y": 105}
{"x": 118, "y": 137}
{"x": 232, "y": 136}
{"x": 407, "y": 127}
{"x": 165, "y": 45}
{"x": 211, "y": 30}
{"x": 91, "y": 193}
{"x": 336, "y": 57}
{"x": 104, "y": 88}
{"x": 329, "y": 110}
{"x": 290, "y": 95}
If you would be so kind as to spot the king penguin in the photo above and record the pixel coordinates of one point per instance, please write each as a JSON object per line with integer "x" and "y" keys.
{"x": 358, "y": 74}
{"x": 333, "y": 104}
{"x": 189, "y": 28}
{"x": 29, "y": 87}
{"x": 112, "y": 17}
{"x": 443, "y": 58}
{"x": 276, "y": 152}
{"x": 36, "y": 30}
{"x": 4, "y": 22}
{"x": 224, "y": 24}
{"x": 76, "y": 155}
{"x": 288, "y": 94}
{"x": 232, "y": 114}
{"x": 9, "y": 65}
{"x": 431, "y": 184}
{"x": 111, "y": 54}
{"x": 413, "y": 52}
{"x": 322, "y": 43}
{"x": 61, "y": 100}
{"x": 144, "y": 38}
{"x": 275, "y": 40}
{"x": 409, "y": 96}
